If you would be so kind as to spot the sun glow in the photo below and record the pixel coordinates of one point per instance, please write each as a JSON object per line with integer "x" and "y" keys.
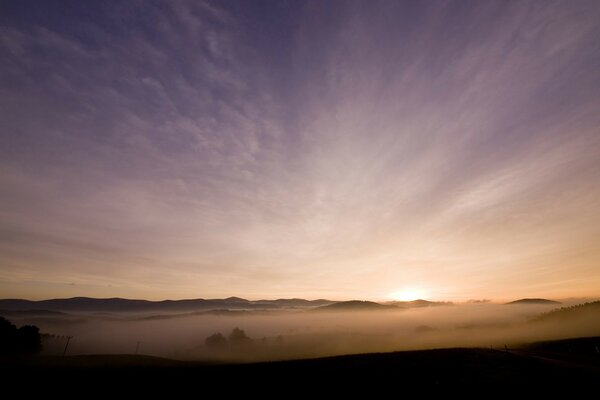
{"x": 408, "y": 294}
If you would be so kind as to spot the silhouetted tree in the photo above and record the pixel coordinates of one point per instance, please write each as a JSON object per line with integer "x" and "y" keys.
{"x": 215, "y": 340}
{"x": 25, "y": 340}
{"x": 8, "y": 336}
{"x": 238, "y": 336}
{"x": 29, "y": 340}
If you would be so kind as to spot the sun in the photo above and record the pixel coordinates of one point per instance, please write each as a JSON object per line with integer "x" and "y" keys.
{"x": 408, "y": 294}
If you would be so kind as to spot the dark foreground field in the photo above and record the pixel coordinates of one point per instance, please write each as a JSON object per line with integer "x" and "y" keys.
{"x": 571, "y": 365}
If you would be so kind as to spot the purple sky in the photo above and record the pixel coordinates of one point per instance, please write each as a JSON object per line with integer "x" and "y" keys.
{"x": 172, "y": 149}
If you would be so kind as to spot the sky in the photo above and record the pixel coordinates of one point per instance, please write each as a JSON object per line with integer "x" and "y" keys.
{"x": 330, "y": 149}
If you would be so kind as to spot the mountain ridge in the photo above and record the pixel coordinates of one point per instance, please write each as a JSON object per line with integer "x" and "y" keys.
{"x": 116, "y": 304}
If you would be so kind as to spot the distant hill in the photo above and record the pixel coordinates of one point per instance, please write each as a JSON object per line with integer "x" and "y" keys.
{"x": 534, "y": 301}
{"x": 586, "y": 310}
{"x": 418, "y": 303}
{"x": 89, "y": 304}
{"x": 295, "y": 302}
{"x": 355, "y": 305}
{"x": 32, "y": 313}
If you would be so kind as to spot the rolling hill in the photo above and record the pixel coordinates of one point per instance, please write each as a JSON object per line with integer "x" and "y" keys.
{"x": 566, "y": 314}
{"x": 355, "y": 305}
{"x": 534, "y": 301}
{"x": 532, "y": 369}
{"x": 89, "y": 304}
{"x": 418, "y": 303}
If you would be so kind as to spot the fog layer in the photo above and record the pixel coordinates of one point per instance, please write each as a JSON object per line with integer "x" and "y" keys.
{"x": 274, "y": 335}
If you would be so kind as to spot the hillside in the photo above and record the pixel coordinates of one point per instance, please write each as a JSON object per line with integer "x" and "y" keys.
{"x": 89, "y": 304}
{"x": 355, "y": 305}
{"x": 418, "y": 303}
{"x": 586, "y": 310}
{"x": 534, "y": 301}
{"x": 529, "y": 369}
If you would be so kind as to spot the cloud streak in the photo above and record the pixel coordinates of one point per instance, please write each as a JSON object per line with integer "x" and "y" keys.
{"x": 341, "y": 150}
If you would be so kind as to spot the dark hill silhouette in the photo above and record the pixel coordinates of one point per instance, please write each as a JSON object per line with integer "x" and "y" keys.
{"x": 355, "y": 305}
{"x": 32, "y": 313}
{"x": 534, "y": 301}
{"x": 418, "y": 303}
{"x": 237, "y": 299}
{"x": 295, "y": 302}
{"x": 586, "y": 310}
{"x": 586, "y": 346}
{"x": 89, "y": 304}
{"x": 531, "y": 370}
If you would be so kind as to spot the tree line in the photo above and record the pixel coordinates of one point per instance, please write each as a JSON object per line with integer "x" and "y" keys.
{"x": 19, "y": 341}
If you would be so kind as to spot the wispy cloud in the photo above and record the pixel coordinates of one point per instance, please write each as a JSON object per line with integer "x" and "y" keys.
{"x": 346, "y": 149}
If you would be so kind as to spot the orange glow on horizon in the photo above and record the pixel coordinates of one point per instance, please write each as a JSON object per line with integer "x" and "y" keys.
{"x": 408, "y": 294}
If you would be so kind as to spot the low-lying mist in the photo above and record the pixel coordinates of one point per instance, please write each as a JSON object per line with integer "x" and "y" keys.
{"x": 291, "y": 334}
